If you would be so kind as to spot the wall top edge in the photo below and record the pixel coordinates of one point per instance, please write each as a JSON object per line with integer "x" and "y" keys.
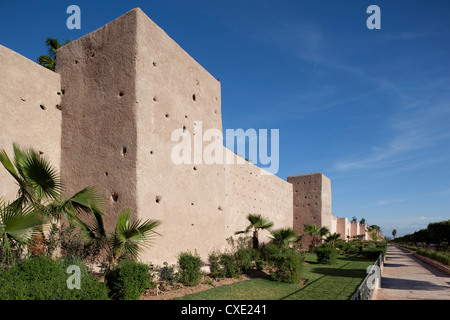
{"x": 6, "y": 52}
{"x": 306, "y": 174}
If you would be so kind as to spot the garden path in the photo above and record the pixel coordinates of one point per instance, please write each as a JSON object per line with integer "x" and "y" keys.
{"x": 405, "y": 277}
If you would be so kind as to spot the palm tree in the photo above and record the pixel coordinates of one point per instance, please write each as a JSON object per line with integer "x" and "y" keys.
{"x": 284, "y": 237}
{"x": 17, "y": 225}
{"x": 394, "y": 233}
{"x": 48, "y": 61}
{"x": 256, "y": 223}
{"x": 332, "y": 238}
{"x": 40, "y": 189}
{"x": 128, "y": 238}
{"x": 316, "y": 232}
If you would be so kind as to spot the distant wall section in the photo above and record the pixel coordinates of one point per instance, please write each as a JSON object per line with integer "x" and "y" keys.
{"x": 311, "y": 202}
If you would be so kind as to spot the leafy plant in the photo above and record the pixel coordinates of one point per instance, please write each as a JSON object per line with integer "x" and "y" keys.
{"x": 326, "y": 254}
{"x": 286, "y": 266}
{"x": 42, "y": 278}
{"x": 128, "y": 238}
{"x": 167, "y": 273}
{"x": 16, "y": 226}
{"x": 190, "y": 268}
{"x": 71, "y": 242}
{"x": 128, "y": 280}
{"x": 224, "y": 265}
{"x": 215, "y": 267}
{"x": 245, "y": 258}
{"x": 373, "y": 253}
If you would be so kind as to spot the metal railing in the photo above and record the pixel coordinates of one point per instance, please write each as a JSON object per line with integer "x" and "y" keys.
{"x": 372, "y": 281}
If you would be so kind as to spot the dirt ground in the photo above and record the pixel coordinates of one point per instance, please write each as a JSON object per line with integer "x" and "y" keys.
{"x": 168, "y": 292}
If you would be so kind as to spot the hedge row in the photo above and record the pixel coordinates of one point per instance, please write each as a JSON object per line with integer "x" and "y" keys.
{"x": 440, "y": 256}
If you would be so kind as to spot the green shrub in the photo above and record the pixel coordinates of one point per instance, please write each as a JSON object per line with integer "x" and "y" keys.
{"x": 230, "y": 265}
{"x": 343, "y": 247}
{"x": 167, "y": 273}
{"x": 435, "y": 255}
{"x": 42, "y": 278}
{"x": 224, "y": 265}
{"x": 190, "y": 265}
{"x": 214, "y": 263}
{"x": 245, "y": 258}
{"x": 354, "y": 249}
{"x": 326, "y": 254}
{"x": 128, "y": 280}
{"x": 286, "y": 266}
{"x": 268, "y": 250}
{"x": 380, "y": 244}
{"x": 373, "y": 253}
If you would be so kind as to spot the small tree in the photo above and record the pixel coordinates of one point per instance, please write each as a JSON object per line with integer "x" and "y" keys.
{"x": 128, "y": 238}
{"x": 256, "y": 223}
{"x": 394, "y": 233}
{"x": 284, "y": 237}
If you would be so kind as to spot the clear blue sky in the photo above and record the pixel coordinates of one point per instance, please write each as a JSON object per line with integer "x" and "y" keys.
{"x": 370, "y": 109}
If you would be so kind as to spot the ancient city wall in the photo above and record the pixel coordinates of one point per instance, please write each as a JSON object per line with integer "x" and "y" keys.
{"x": 354, "y": 228}
{"x": 30, "y": 97}
{"x": 250, "y": 189}
{"x": 200, "y": 204}
{"x": 99, "y": 118}
{"x": 107, "y": 118}
{"x": 343, "y": 228}
{"x": 333, "y": 224}
{"x": 128, "y": 87}
{"x": 173, "y": 92}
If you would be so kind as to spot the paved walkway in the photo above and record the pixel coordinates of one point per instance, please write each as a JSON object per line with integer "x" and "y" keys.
{"x": 405, "y": 277}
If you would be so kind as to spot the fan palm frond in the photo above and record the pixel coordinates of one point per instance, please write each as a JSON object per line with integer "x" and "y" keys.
{"x": 20, "y": 225}
{"x": 129, "y": 237}
{"x": 47, "y": 62}
{"x": 284, "y": 237}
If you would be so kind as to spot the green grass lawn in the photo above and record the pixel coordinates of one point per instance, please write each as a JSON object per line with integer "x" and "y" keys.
{"x": 323, "y": 282}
